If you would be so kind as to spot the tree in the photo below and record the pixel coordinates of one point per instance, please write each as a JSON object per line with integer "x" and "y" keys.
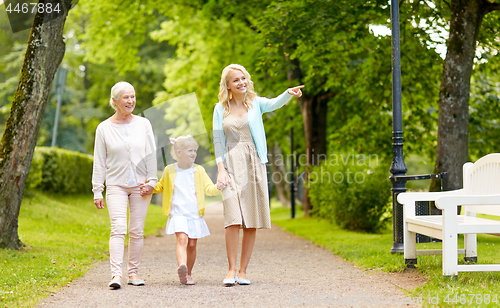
{"x": 484, "y": 116}
{"x": 11, "y": 59}
{"x": 453, "y": 124}
{"x": 44, "y": 54}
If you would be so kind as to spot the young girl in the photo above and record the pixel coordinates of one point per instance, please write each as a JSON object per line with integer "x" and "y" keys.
{"x": 184, "y": 185}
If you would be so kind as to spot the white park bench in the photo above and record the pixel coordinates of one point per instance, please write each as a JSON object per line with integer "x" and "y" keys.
{"x": 481, "y": 194}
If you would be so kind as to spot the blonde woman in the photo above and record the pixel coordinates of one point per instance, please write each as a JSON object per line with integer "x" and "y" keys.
{"x": 241, "y": 154}
{"x": 124, "y": 158}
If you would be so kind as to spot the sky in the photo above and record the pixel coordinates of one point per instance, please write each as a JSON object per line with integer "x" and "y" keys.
{"x": 438, "y": 43}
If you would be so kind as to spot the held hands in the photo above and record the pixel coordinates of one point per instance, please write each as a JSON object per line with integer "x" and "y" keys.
{"x": 146, "y": 189}
{"x": 221, "y": 186}
{"x": 295, "y": 91}
{"x": 222, "y": 179}
{"x": 99, "y": 203}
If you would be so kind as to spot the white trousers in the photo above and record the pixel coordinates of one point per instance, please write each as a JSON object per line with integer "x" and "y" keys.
{"x": 116, "y": 200}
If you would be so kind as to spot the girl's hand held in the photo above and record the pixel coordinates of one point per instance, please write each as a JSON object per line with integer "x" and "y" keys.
{"x": 146, "y": 189}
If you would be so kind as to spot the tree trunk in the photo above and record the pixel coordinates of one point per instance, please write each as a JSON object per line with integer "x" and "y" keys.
{"x": 453, "y": 120}
{"x": 279, "y": 176}
{"x": 44, "y": 53}
{"x": 314, "y": 109}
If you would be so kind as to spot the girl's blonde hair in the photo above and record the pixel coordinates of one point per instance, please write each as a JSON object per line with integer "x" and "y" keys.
{"x": 225, "y": 95}
{"x": 117, "y": 90}
{"x": 180, "y": 143}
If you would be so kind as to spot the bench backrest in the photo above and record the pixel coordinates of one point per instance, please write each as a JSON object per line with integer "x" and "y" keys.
{"x": 483, "y": 178}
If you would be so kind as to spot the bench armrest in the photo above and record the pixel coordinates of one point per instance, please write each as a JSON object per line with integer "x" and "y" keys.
{"x": 408, "y": 199}
{"x": 411, "y": 197}
{"x": 445, "y": 202}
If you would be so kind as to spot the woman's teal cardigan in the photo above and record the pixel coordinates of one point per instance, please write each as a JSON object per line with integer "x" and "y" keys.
{"x": 259, "y": 106}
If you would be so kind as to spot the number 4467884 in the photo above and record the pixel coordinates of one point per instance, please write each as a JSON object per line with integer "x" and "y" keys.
{"x": 35, "y": 7}
{"x": 471, "y": 299}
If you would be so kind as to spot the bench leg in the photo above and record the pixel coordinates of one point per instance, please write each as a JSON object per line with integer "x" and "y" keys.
{"x": 450, "y": 245}
{"x": 410, "y": 263}
{"x": 410, "y": 247}
{"x": 470, "y": 245}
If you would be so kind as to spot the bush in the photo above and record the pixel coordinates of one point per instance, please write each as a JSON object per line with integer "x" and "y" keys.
{"x": 353, "y": 192}
{"x": 35, "y": 176}
{"x": 60, "y": 171}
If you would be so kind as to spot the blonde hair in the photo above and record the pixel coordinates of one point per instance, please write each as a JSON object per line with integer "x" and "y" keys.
{"x": 180, "y": 143}
{"x": 225, "y": 95}
{"x": 117, "y": 90}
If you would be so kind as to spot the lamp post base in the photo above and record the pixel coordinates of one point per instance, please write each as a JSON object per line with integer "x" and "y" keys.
{"x": 397, "y": 248}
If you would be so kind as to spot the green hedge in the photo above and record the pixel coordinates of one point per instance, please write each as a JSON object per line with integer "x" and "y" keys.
{"x": 60, "y": 171}
{"x": 354, "y": 192}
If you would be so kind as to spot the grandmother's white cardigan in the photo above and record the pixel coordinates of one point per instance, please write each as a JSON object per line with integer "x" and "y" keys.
{"x": 114, "y": 155}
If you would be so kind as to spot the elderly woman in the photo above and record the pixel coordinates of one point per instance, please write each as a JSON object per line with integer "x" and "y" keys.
{"x": 124, "y": 158}
{"x": 241, "y": 155}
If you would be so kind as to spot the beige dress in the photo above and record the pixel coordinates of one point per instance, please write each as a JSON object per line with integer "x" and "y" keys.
{"x": 246, "y": 198}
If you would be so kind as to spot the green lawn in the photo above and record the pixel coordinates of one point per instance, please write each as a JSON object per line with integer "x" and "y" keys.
{"x": 64, "y": 237}
{"x": 372, "y": 252}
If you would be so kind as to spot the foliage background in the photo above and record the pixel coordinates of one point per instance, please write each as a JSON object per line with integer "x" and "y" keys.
{"x": 173, "y": 48}
{"x": 180, "y": 47}
{"x": 355, "y": 193}
{"x": 60, "y": 171}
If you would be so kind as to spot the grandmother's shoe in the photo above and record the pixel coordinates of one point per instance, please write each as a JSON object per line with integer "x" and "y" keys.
{"x": 115, "y": 284}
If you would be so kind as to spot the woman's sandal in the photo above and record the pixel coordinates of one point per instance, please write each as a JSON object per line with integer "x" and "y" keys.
{"x": 243, "y": 282}
{"x": 228, "y": 282}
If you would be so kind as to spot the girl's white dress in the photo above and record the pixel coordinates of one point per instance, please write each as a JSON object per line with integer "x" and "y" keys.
{"x": 184, "y": 215}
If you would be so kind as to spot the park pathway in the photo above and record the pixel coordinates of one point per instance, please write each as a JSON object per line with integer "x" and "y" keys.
{"x": 285, "y": 271}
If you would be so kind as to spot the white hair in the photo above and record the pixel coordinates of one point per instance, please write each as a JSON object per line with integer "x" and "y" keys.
{"x": 117, "y": 90}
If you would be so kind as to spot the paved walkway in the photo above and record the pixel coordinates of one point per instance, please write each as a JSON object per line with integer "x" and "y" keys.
{"x": 285, "y": 271}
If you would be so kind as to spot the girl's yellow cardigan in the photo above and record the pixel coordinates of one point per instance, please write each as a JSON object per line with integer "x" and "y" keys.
{"x": 202, "y": 181}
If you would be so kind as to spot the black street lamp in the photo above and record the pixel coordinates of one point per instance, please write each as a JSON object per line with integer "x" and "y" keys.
{"x": 398, "y": 167}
